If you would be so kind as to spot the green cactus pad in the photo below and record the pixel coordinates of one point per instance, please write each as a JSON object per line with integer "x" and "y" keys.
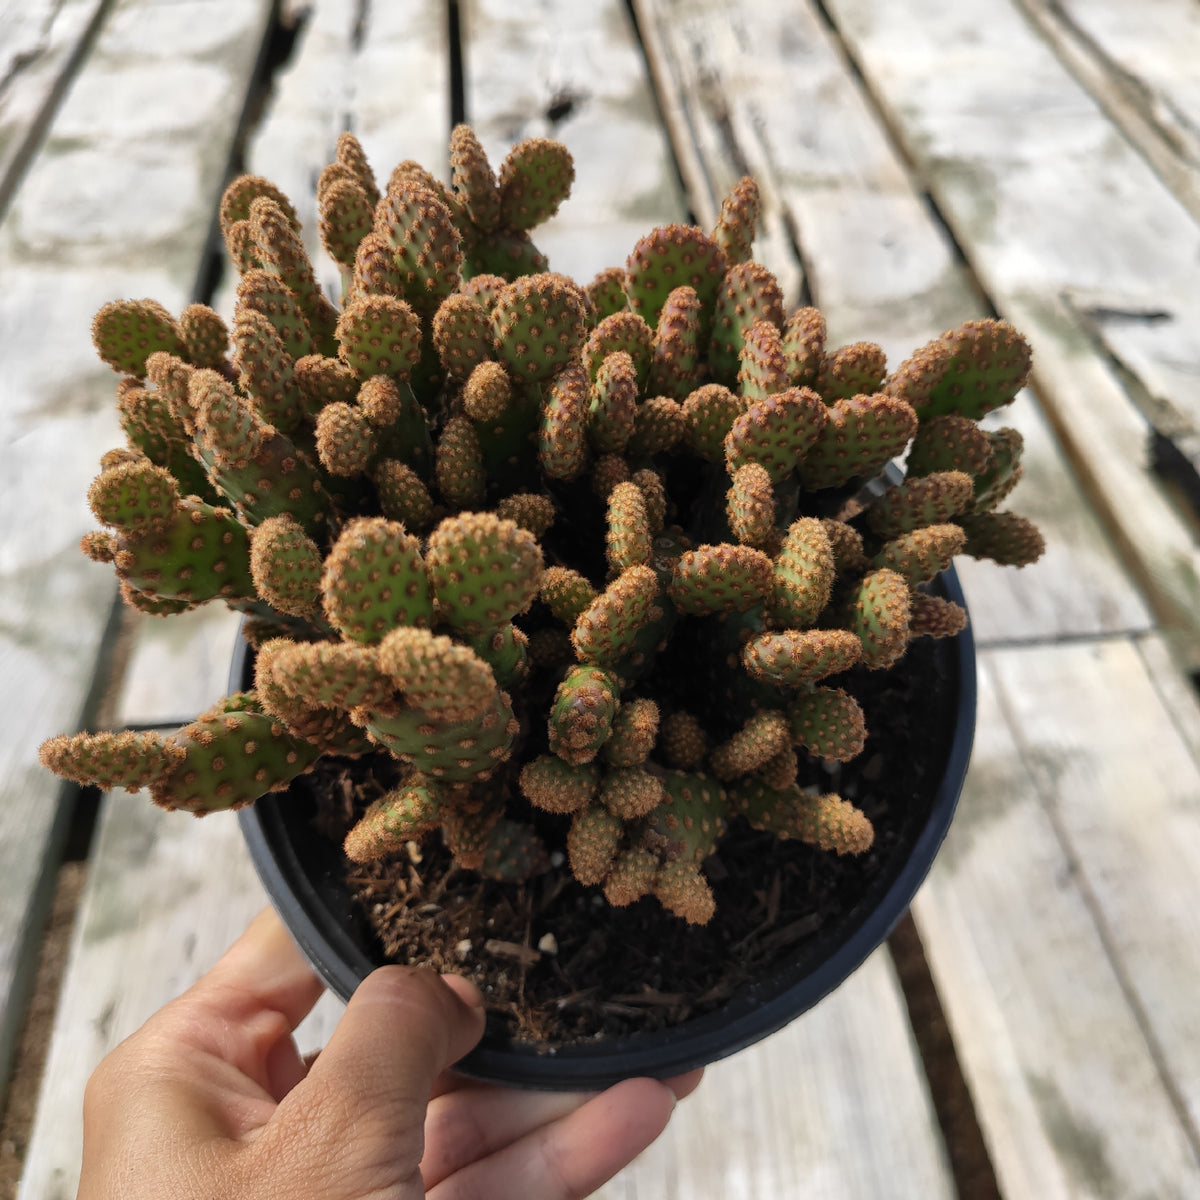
{"x": 928, "y": 500}
{"x": 669, "y": 257}
{"x": 473, "y": 180}
{"x": 828, "y": 723}
{"x": 737, "y": 221}
{"x": 445, "y": 679}
{"x": 625, "y": 331}
{"x": 932, "y": 616}
{"x": 994, "y": 485}
{"x": 338, "y": 675}
{"x": 350, "y": 155}
{"x": 968, "y": 371}
{"x": 804, "y": 347}
{"x": 281, "y": 251}
{"x": 259, "y": 291}
{"x": 796, "y": 658}
{"x": 658, "y": 426}
{"x": 776, "y": 431}
{"x": 506, "y": 651}
{"x": 628, "y": 543}
{"x": 346, "y": 440}
{"x": 374, "y": 580}
{"x": 630, "y": 792}
{"x": 286, "y": 566}
{"x": 135, "y": 497}
{"x": 484, "y": 571}
{"x": 462, "y": 335}
{"x": 204, "y": 336}
{"x": 240, "y": 195}
{"x": 655, "y": 495}
{"x": 487, "y": 392}
{"x": 556, "y": 786}
{"x": 949, "y": 443}
{"x": 535, "y": 178}
{"x": 750, "y": 505}
{"x": 461, "y": 477}
{"x": 879, "y": 615}
{"x": 681, "y": 889}
{"x": 923, "y": 553}
{"x": 1006, "y": 538}
{"x": 827, "y": 822}
{"x": 676, "y": 366}
{"x": 234, "y": 755}
{"x": 467, "y": 831}
{"x": 529, "y": 511}
{"x": 749, "y": 293}
{"x": 855, "y": 370}
{"x": 582, "y": 712}
{"x": 126, "y": 332}
{"x": 634, "y": 732}
{"x": 607, "y": 630}
{"x": 782, "y": 770}
{"x": 684, "y": 741}
{"x": 266, "y": 372}
{"x": 324, "y": 381}
{"x": 566, "y": 593}
{"x": 710, "y": 412}
{"x": 802, "y": 575}
{"x": 612, "y": 404}
{"x": 562, "y": 432}
{"x": 426, "y": 250}
{"x": 861, "y": 435}
{"x": 345, "y": 217}
{"x": 402, "y": 495}
{"x": 762, "y": 369}
{"x": 592, "y": 843}
{"x": 112, "y": 760}
{"x": 762, "y": 737}
{"x": 513, "y": 853}
{"x": 463, "y": 752}
{"x": 847, "y": 545}
{"x": 375, "y": 270}
{"x": 686, "y": 825}
{"x": 402, "y": 815}
{"x": 606, "y": 293}
{"x": 632, "y": 876}
{"x": 538, "y": 324}
{"x": 720, "y": 578}
{"x": 379, "y": 335}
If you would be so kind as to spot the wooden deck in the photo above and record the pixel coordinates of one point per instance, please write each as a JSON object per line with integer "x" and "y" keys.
{"x": 922, "y": 163}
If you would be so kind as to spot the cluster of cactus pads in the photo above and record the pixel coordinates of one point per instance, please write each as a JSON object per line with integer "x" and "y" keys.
{"x": 577, "y": 550}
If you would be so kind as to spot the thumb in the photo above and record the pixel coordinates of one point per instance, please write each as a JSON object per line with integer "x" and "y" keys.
{"x": 358, "y": 1117}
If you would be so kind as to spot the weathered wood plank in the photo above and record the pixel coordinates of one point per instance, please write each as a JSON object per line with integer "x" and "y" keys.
{"x": 1140, "y": 65}
{"x": 155, "y": 915}
{"x": 1048, "y": 202}
{"x": 824, "y": 1109}
{"x": 730, "y": 1139}
{"x": 41, "y": 45}
{"x": 1068, "y": 1092}
{"x": 776, "y": 93}
{"x": 117, "y": 203}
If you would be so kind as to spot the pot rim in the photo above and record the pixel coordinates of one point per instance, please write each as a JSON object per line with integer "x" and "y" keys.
{"x": 740, "y": 1022}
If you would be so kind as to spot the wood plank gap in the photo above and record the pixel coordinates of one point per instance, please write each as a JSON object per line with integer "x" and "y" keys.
{"x": 1155, "y": 1048}
{"x": 1129, "y": 104}
{"x": 22, "y": 156}
{"x": 458, "y": 74}
{"x": 970, "y": 1163}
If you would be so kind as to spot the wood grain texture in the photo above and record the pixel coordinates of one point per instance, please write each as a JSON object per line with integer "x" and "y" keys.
{"x": 825, "y": 1110}
{"x": 776, "y": 92}
{"x": 1048, "y": 202}
{"x": 117, "y": 203}
{"x": 1067, "y": 1087}
{"x": 1123, "y": 788}
{"x": 41, "y": 45}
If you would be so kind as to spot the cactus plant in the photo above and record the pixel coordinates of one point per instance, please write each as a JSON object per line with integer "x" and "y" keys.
{"x": 585, "y": 561}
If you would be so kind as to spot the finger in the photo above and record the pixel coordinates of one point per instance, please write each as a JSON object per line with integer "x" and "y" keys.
{"x": 685, "y": 1085}
{"x": 369, "y": 1087}
{"x": 466, "y": 1125}
{"x": 571, "y": 1157}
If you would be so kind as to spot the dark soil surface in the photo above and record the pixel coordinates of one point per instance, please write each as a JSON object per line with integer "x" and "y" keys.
{"x": 558, "y": 965}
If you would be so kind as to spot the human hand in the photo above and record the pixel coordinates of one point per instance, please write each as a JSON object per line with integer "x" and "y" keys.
{"x": 210, "y": 1098}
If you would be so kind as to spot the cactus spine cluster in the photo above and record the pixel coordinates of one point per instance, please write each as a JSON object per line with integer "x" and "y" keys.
{"x": 586, "y": 560}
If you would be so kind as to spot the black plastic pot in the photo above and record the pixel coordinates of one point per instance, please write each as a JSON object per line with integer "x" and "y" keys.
{"x": 303, "y": 872}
